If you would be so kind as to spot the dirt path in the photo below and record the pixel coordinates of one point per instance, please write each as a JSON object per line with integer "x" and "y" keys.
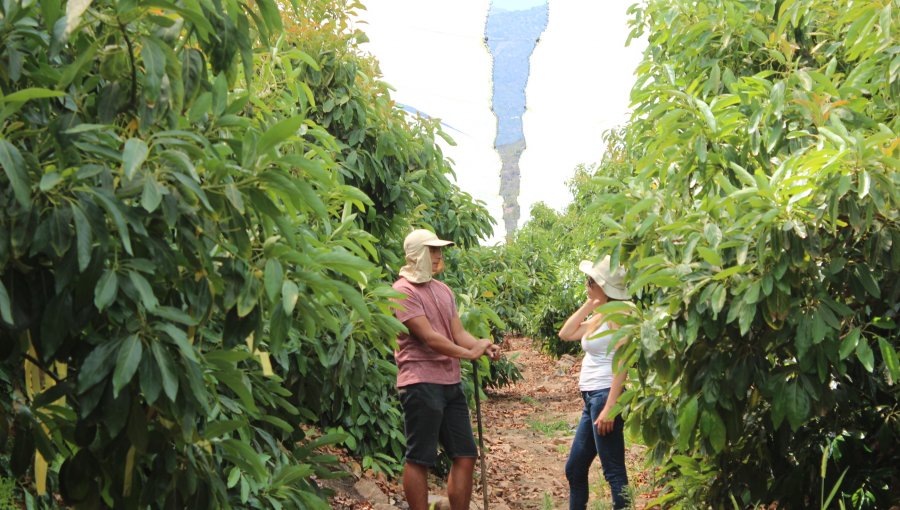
{"x": 528, "y": 428}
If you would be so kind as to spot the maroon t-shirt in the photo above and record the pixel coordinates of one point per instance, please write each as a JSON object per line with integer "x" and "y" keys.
{"x": 416, "y": 362}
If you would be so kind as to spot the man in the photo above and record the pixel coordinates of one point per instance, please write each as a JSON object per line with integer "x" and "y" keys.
{"x": 428, "y": 376}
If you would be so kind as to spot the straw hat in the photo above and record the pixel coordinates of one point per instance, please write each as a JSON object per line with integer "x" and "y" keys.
{"x": 612, "y": 282}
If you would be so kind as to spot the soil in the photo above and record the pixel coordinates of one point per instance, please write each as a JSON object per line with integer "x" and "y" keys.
{"x": 528, "y": 428}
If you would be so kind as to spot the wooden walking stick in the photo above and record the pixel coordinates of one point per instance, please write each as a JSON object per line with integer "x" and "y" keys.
{"x": 484, "y": 490}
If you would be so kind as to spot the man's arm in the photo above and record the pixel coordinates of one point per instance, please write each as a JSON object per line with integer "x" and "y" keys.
{"x": 470, "y": 348}
{"x": 466, "y": 339}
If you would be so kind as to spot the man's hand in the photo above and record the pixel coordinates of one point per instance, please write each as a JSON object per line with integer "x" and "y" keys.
{"x": 493, "y": 352}
{"x": 603, "y": 423}
{"x": 479, "y": 348}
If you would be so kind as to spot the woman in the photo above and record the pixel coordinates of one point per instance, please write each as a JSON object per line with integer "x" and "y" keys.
{"x": 600, "y": 386}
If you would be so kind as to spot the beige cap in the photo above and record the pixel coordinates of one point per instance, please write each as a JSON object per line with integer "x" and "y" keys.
{"x": 422, "y": 237}
{"x": 418, "y": 259}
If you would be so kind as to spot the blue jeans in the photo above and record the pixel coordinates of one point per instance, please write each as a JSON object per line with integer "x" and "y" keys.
{"x": 587, "y": 445}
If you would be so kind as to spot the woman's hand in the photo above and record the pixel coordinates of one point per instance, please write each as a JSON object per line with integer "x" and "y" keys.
{"x": 603, "y": 423}
{"x": 594, "y": 302}
{"x": 595, "y": 296}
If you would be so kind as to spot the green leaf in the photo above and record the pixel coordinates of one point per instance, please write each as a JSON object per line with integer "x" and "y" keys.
{"x": 226, "y": 359}
{"x": 175, "y": 315}
{"x": 713, "y": 427}
{"x": 248, "y": 298}
{"x": 84, "y": 236}
{"x": 190, "y": 12}
{"x": 154, "y": 59}
{"x": 274, "y": 276}
{"x": 707, "y": 115}
{"x": 180, "y": 338}
{"x": 889, "y": 355}
{"x": 687, "y": 419}
{"x": 278, "y": 422}
{"x": 234, "y": 196}
{"x": 796, "y": 403}
{"x": 243, "y": 456}
{"x": 744, "y": 176}
{"x": 718, "y": 297}
{"x": 150, "y": 379}
{"x": 20, "y": 96}
{"x": 650, "y": 338}
{"x": 105, "y": 291}
{"x": 133, "y": 156}
{"x": 615, "y": 307}
{"x": 311, "y": 198}
{"x": 291, "y": 474}
{"x": 710, "y": 256}
{"x": 5, "y": 308}
{"x": 49, "y": 181}
{"x": 112, "y": 208}
{"x": 85, "y": 57}
{"x": 865, "y": 182}
{"x": 308, "y": 59}
{"x": 278, "y": 329}
{"x": 776, "y": 98}
{"x": 166, "y": 369}
{"x": 126, "y": 363}
{"x": 240, "y": 385}
{"x": 151, "y": 195}
{"x": 824, "y": 313}
{"x": 289, "y": 295}
{"x": 819, "y": 328}
{"x": 746, "y": 316}
{"x": 14, "y": 167}
{"x": 848, "y": 344}
{"x": 144, "y": 289}
{"x": 194, "y": 187}
{"x": 96, "y": 365}
{"x": 310, "y": 96}
{"x": 751, "y": 296}
{"x": 221, "y": 427}
{"x": 864, "y": 276}
{"x": 278, "y": 133}
{"x": 713, "y": 234}
{"x": 180, "y": 161}
{"x": 865, "y": 355}
{"x": 344, "y": 262}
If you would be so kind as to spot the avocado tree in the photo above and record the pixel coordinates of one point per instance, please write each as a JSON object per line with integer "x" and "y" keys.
{"x": 753, "y": 198}
{"x": 182, "y": 251}
{"x": 347, "y": 378}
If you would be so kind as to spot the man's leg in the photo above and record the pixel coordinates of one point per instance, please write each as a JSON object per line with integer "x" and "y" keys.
{"x": 415, "y": 486}
{"x": 422, "y": 415}
{"x": 459, "y": 484}
{"x": 459, "y": 443}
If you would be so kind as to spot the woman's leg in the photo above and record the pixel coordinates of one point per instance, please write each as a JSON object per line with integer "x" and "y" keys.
{"x": 611, "y": 449}
{"x": 580, "y": 458}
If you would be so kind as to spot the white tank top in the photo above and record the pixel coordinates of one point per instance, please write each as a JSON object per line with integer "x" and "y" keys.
{"x": 596, "y": 367}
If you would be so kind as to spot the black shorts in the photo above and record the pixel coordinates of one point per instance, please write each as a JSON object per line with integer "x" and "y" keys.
{"x": 435, "y": 413}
